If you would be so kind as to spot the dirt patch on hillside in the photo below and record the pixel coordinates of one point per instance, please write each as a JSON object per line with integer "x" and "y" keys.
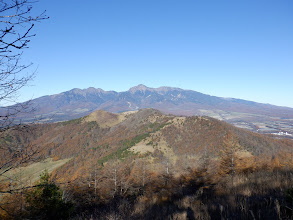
{"x": 142, "y": 148}
{"x": 107, "y": 119}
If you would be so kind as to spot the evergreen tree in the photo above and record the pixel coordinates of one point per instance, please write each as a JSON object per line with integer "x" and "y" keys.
{"x": 45, "y": 201}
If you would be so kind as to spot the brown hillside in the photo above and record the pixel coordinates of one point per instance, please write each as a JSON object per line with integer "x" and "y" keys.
{"x": 102, "y": 137}
{"x": 148, "y": 159}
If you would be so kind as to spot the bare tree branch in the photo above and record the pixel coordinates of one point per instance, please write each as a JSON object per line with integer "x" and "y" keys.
{"x": 16, "y": 24}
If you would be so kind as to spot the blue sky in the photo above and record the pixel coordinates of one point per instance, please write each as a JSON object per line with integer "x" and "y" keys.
{"x": 227, "y": 48}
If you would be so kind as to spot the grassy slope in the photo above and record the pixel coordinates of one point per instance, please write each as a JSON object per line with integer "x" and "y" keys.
{"x": 31, "y": 173}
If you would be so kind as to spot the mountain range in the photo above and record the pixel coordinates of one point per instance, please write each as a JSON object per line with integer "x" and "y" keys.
{"x": 264, "y": 118}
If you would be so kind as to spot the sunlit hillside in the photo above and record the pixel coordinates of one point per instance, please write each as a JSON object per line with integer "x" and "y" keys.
{"x": 144, "y": 161}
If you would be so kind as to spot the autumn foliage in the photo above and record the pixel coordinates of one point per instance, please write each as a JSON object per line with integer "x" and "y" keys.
{"x": 192, "y": 166}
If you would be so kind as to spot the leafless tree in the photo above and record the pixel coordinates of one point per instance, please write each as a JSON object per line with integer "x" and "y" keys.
{"x": 17, "y": 21}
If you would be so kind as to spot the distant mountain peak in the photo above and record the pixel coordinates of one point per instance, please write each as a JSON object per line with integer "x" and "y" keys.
{"x": 139, "y": 87}
{"x": 166, "y": 88}
{"x": 94, "y": 90}
{"x": 143, "y": 88}
{"x": 90, "y": 90}
{"x": 75, "y": 90}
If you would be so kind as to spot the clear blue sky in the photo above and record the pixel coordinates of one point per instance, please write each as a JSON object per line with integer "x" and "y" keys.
{"x": 227, "y": 48}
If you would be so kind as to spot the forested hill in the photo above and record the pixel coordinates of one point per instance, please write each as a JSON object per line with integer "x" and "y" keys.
{"x": 104, "y": 136}
{"x": 136, "y": 164}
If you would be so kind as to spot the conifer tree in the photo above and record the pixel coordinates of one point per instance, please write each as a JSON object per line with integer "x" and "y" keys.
{"x": 45, "y": 201}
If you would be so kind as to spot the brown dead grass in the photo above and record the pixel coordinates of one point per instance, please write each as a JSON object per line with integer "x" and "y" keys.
{"x": 142, "y": 148}
{"x": 107, "y": 119}
{"x": 30, "y": 174}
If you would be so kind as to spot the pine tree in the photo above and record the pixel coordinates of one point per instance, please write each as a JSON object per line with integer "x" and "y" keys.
{"x": 45, "y": 201}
